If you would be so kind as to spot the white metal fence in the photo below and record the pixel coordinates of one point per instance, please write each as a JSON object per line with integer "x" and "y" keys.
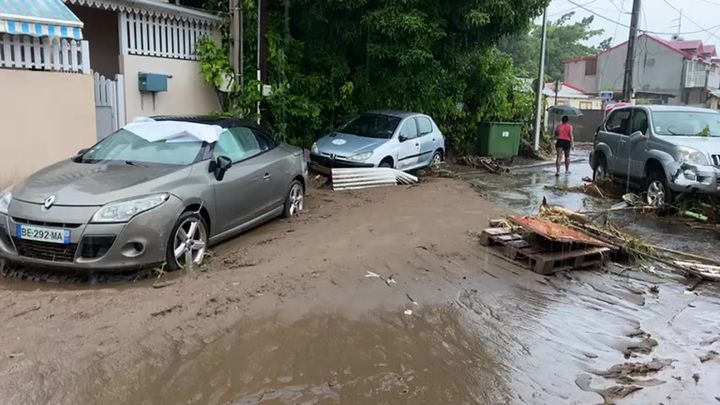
{"x": 25, "y": 52}
{"x": 166, "y": 37}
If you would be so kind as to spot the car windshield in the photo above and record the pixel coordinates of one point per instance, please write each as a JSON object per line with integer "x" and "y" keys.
{"x": 128, "y": 148}
{"x": 372, "y": 126}
{"x": 684, "y": 123}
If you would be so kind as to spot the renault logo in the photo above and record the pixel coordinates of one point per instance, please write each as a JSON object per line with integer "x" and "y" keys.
{"x": 48, "y": 202}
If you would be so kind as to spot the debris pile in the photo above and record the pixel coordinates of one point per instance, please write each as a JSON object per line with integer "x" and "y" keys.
{"x": 545, "y": 246}
{"x": 561, "y": 239}
{"x": 634, "y": 248}
{"x": 483, "y": 162}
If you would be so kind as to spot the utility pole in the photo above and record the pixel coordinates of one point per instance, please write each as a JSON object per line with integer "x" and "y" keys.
{"x": 541, "y": 83}
{"x": 261, "y": 49}
{"x": 242, "y": 42}
{"x": 630, "y": 58}
{"x": 235, "y": 55}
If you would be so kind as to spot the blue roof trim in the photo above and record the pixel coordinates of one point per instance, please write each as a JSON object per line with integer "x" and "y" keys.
{"x": 39, "y": 18}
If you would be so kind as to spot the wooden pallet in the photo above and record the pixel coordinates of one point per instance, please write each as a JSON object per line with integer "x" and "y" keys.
{"x": 538, "y": 259}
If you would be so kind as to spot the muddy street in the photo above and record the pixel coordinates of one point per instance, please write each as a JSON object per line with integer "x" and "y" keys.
{"x": 374, "y": 296}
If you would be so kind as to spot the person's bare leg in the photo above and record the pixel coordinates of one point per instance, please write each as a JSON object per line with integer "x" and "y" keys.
{"x": 558, "y": 160}
{"x": 567, "y": 161}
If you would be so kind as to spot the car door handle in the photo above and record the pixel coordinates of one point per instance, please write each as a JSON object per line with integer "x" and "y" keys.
{"x": 417, "y": 144}
{"x": 267, "y": 176}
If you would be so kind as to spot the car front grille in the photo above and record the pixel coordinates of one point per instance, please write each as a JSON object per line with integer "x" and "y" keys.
{"x": 52, "y": 252}
{"x": 332, "y": 163}
{"x": 716, "y": 160}
{"x": 94, "y": 247}
{"x": 43, "y": 223}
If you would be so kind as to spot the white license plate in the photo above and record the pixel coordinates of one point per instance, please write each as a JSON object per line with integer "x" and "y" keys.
{"x": 42, "y": 234}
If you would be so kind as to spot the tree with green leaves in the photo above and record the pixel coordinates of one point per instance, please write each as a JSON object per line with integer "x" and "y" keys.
{"x": 565, "y": 40}
{"x": 329, "y": 59}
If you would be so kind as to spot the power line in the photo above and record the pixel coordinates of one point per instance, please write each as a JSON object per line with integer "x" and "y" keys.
{"x": 691, "y": 20}
{"x": 646, "y": 31}
{"x": 712, "y": 34}
{"x": 571, "y": 8}
{"x": 710, "y": 2}
{"x": 616, "y": 6}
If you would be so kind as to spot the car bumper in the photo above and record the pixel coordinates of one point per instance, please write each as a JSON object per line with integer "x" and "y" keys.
{"x": 139, "y": 243}
{"x": 324, "y": 164}
{"x": 696, "y": 179}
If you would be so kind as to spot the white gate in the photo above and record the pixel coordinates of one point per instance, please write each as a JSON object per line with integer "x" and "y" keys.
{"x": 109, "y": 104}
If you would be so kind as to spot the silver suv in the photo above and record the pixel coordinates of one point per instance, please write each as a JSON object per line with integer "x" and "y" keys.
{"x": 663, "y": 149}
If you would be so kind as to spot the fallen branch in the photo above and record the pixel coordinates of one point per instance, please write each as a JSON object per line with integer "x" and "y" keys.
{"x": 166, "y": 310}
{"x": 709, "y": 269}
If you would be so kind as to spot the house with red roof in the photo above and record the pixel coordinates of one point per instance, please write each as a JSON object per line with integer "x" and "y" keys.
{"x": 666, "y": 71}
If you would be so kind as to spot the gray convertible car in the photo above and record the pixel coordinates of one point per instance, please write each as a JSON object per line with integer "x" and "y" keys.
{"x": 157, "y": 191}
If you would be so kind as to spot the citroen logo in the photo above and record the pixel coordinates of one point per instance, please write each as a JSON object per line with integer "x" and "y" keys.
{"x": 48, "y": 202}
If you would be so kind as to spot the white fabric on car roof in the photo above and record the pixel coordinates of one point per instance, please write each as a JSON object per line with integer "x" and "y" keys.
{"x": 173, "y": 131}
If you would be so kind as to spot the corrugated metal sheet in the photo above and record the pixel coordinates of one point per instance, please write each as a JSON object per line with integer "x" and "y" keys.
{"x": 556, "y": 232}
{"x": 354, "y": 179}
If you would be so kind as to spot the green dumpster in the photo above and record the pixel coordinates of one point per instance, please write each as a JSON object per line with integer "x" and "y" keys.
{"x": 499, "y": 139}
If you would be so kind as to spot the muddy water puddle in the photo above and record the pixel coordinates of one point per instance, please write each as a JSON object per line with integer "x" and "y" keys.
{"x": 575, "y": 338}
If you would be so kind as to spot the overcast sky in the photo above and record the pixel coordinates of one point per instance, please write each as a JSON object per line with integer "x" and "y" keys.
{"x": 700, "y": 17}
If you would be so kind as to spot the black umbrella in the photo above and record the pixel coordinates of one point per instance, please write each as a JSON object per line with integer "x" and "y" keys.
{"x": 565, "y": 110}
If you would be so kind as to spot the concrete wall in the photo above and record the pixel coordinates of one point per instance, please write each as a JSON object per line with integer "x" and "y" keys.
{"x": 44, "y": 117}
{"x": 586, "y": 125}
{"x": 575, "y": 75}
{"x": 658, "y": 69}
{"x": 187, "y": 92}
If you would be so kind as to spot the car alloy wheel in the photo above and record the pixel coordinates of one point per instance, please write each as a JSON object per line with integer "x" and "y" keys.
{"x": 600, "y": 172}
{"x": 190, "y": 241}
{"x": 296, "y": 200}
{"x": 436, "y": 159}
{"x": 656, "y": 193}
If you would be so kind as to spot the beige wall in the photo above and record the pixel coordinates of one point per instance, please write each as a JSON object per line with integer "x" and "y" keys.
{"x": 187, "y": 93}
{"x": 575, "y": 75}
{"x": 44, "y": 117}
{"x": 658, "y": 69}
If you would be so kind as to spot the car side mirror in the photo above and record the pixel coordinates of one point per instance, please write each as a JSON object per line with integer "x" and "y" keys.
{"x": 221, "y": 165}
{"x": 402, "y": 138}
{"x": 81, "y": 152}
{"x": 637, "y": 136}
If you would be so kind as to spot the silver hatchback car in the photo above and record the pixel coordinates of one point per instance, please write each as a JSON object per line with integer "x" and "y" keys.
{"x": 158, "y": 190}
{"x": 384, "y": 138}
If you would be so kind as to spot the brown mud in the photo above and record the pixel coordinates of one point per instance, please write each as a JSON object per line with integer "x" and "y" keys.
{"x": 376, "y": 296}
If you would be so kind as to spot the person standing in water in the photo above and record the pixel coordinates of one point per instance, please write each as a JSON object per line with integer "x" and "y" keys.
{"x": 564, "y": 143}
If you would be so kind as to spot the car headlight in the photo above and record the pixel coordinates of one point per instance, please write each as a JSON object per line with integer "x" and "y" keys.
{"x": 694, "y": 156}
{"x": 5, "y": 202}
{"x": 123, "y": 211}
{"x": 314, "y": 149}
{"x": 361, "y": 157}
